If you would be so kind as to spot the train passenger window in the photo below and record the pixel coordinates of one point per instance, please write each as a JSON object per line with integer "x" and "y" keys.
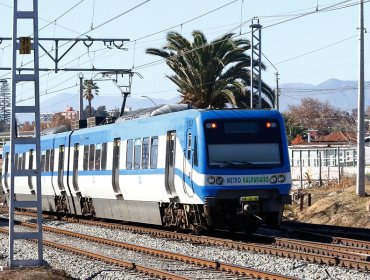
{"x": 97, "y": 156}
{"x": 137, "y": 153}
{"x": 129, "y": 153}
{"x": 154, "y": 152}
{"x": 6, "y": 170}
{"x": 30, "y": 166}
{"x": 16, "y": 161}
{"x": 61, "y": 167}
{"x": 47, "y": 160}
{"x": 104, "y": 156}
{"x": 43, "y": 161}
{"x": 195, "y": 155}
{"x": 24, "y": 161}
{"x": 75, "y": 167}
{"x": 86, "y": 157}
{"x": 189, "y": 146}
{"x": 52, "y": 152}
{"x": 20, "y": 160}
{"x": 145, "y": 154}
{"x": 92, "y": 157}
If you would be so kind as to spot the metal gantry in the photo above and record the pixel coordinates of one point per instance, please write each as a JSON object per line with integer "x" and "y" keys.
{"x": 256, "y": 60}
{"x": 32, "y": 143}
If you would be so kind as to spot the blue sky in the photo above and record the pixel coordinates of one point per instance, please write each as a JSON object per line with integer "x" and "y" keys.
{"x": 305, "y": 45}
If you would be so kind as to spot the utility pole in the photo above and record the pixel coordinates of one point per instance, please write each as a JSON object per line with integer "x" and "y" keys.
{"x": 360, "y": 190}
{"x": 277, "y": 92}
{"x": 81, "y": 76}
{"x": 25, "y": 46}
{"x": 256, "y": 61}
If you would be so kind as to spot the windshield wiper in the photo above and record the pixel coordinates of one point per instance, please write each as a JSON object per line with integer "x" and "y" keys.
{"x": 236, "y": 164}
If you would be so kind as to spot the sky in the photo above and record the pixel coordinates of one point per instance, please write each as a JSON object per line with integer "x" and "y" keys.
{"x": 307, "y": 41}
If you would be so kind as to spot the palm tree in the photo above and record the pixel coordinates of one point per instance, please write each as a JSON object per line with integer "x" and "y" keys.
{"x": 90, "y": 88}
{"x": 211, "y": 74}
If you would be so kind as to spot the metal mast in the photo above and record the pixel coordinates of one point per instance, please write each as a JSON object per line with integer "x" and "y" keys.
{"x": 256, "y": 61}
{"x": 17, "y": 144}
{"x": 360, "y": 190}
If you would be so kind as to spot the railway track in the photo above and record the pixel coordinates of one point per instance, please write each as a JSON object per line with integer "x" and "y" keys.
{"x": 349, "y": 253}
{"x": 210, "y": 269}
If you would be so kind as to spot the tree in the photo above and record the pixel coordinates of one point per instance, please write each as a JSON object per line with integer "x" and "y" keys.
{"x": 90, "y": 88}
{"x": 319, "y": 115}
{"x": 101, "y": 111}
{"x": 89, "y": 111}
{"x": 211, "y": 74}
{"x": 293, "y": 129}
{"x": 5, "y": 102}
{"x": 58, "y": 119}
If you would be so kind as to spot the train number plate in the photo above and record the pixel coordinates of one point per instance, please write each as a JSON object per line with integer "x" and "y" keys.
{"x": 249, "y": 198}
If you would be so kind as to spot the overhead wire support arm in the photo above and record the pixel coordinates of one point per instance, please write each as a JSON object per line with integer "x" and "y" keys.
{"x": 56, "y": 58}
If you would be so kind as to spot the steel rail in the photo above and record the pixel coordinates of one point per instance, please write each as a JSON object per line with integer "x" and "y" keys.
{"x": 235, "y": 269}
{"x": 112, "y": 261}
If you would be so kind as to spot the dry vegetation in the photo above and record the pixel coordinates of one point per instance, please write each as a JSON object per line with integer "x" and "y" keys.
{"x": 333, "y": 204}
{"x": 39, "y": 273}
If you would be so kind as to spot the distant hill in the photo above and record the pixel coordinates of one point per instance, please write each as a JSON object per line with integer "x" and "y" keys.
{"x": 341, "y": 94}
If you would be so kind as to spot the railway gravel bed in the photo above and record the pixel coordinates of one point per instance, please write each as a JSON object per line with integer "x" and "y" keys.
{"x": 285, "y": 266}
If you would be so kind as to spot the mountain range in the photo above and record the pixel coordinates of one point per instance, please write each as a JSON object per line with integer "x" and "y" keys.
{"x": 339, "y": 93}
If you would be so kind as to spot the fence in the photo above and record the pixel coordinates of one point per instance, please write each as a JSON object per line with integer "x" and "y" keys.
{"x": 317, "y": 165}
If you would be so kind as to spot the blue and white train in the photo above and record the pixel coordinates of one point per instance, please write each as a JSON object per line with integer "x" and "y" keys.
{"x": 170, "y": 166}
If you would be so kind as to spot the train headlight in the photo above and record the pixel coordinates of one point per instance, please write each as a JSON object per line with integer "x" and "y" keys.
{"x": 211, "y": 180}
{"x": 219, "y": 180}
{"x": 273, "y": 179}
{"x": 281, "y": 178}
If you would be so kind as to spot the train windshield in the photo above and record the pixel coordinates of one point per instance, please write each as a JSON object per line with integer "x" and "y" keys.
{"x": 243, "y": 144}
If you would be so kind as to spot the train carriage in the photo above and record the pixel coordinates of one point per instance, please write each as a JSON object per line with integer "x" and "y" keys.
{"x": 170, "y": 166}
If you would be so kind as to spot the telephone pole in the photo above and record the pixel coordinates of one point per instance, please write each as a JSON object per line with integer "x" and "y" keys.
{"x": 360, "y": 190}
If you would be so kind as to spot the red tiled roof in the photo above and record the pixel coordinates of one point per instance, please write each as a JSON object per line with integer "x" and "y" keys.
{"x": 338, "y": 136}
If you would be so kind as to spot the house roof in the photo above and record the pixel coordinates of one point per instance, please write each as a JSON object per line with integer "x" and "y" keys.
{"x": 338, "y": 136}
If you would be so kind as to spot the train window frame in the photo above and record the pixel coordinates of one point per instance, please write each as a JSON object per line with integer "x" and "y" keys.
{"x": 104, "y": 152}
{"x": 145, "y": 153}
{"x": 86, "y": 158}
{"x": 130, "y": 154}
{"x": 92, "y": 157}
{"x": 137, "y": 153}
{"x": 154, "y": 152}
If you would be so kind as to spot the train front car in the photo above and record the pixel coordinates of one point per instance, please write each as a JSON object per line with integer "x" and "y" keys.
{"x": 246, "y": 169}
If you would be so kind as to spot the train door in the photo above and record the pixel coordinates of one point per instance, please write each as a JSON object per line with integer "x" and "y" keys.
{"x": 61, "y": 168}
{"x": 170, "y": 163}
{"x": 115, "y": 167}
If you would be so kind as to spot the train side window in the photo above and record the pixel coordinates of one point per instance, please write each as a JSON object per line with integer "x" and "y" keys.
{"x": 52, "y": 153}
{"x": 195, "y": 161}
{"x": 24, "y": 161}
{"x": 16, "y": 161}
{"x": 137, "y": 153}
{"x": 47, "y": 160}
{"x": 104, "y": 156}
{"x": 92, "y": 157}
{"x": 145, "y": 154}
{"x": 75, "y": 167}
{"x": 154, "y": 152}
{"x": 42, "y": 161}
{"x": 129, "y": 153}
{"x": 189, "y": 146}
{"x": 61, "y": 167}
{"x": 86, "y": 157}
{"x": 97, "y": 156}
{"x": 6, "y": 170}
